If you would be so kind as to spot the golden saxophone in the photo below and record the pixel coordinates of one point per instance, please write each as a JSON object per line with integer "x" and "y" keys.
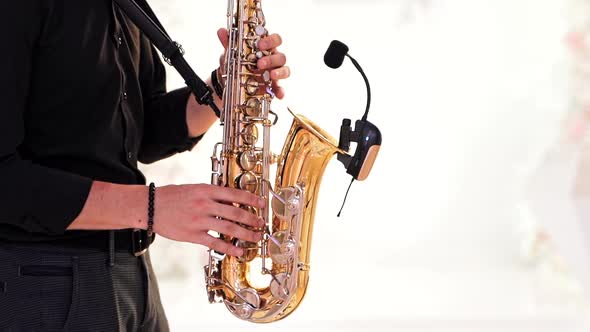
{"x": 270, "y": 280}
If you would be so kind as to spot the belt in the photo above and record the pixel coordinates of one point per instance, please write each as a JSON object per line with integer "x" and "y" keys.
{"x": 134, "y": 241}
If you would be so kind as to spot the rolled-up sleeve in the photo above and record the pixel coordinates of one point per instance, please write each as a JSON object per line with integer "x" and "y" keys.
{"x": 165, "y": 128}
{"x": 34, "y": 198}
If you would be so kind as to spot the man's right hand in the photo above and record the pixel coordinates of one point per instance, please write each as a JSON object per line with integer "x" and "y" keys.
{"x": 188, "y": 212}
{"x": 182, "y": 212}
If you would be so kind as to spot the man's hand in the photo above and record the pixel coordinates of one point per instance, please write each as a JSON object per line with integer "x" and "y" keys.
{"x": 188, "y": 212}
{"x": 183, "y": 213}
{"x": 274, "y": 63}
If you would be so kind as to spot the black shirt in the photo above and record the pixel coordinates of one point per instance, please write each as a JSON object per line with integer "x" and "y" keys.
{"x": 83, "y": 98}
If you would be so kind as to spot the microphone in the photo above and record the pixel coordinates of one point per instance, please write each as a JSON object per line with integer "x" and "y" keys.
{"x": 335, "y": 54}
{"x": 365, "y": 134}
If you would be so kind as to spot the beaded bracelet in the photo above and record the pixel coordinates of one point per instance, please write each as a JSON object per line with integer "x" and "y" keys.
{"x": 151, "y": 201}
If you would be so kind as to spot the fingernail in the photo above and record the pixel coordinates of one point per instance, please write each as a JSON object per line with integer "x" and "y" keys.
{"x": 239, "y": 252}
{"x": 261, "y": 202}
{"x": 260, "y": 221}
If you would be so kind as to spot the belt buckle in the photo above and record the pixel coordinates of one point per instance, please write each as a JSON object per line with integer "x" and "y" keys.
{"x": 139, "y": 241}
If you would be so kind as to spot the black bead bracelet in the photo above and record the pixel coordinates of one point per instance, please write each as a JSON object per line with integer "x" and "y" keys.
{"x": 151, "y": 202}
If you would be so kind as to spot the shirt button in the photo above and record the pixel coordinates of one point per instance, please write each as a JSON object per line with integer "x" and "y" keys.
{"x": 129, "y": 155}
{"x": 119, "y": 40}
{"x": 124, "y": 96}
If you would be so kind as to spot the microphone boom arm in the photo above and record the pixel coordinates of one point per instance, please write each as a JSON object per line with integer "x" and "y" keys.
{"x": 358, "y": 67}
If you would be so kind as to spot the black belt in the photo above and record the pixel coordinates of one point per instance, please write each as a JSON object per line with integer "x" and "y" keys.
{"x": 132, "y": 241}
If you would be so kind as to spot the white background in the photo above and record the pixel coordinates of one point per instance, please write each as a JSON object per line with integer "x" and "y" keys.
{"x": 468, "y": 95}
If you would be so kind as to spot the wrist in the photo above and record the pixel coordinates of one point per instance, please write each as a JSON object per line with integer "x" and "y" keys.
{"x": 112, "y": 206}
{"x": 132, "y": 206}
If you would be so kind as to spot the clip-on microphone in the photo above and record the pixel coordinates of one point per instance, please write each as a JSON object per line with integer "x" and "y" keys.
{"x": 365, "y": 134}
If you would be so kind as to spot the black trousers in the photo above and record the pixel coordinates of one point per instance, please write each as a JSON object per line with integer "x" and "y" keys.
{"x": 46, "y": 289}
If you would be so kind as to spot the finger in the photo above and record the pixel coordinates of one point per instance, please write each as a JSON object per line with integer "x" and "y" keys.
{"x": 222, "y": 246}
{"x": 278, "y": 91}
{"x": 223, "y": 36}
{"x": 230, "y": 212}
{"x": 269, "y": 42}
{"x": 233, "y": 195}
{"x": 280, "y": 73}
{"x": 234, "y": 230}
{"x": 272, "y": 61}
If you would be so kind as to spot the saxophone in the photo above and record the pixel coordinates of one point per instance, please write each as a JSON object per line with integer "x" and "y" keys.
{"x": 270, "y": 280}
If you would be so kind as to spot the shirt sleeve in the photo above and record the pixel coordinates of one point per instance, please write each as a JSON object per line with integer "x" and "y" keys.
{"x": 165, "y": 128}
{"x": 33, "y": 198}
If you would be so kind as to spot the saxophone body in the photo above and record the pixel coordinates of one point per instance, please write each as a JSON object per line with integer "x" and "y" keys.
{"x": 270, "y": 280}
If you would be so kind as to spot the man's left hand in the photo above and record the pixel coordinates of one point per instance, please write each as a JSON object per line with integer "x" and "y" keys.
{"x": 274, "y": 63}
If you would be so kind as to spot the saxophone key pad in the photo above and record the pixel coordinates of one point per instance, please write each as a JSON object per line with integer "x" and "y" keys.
{"x": 248, "y": 181}
{"x": 251, "y": 60}
{"x": 249, "y": 134}
{"x": 248, "y": 160}
{"x": 252, "y": 86}
{"x": 260, "y": 30}
{"x": 252, "y": 107}
{"x": 252, "y": 40}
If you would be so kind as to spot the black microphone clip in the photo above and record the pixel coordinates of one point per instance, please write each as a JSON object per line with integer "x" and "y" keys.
{"x": 368, "y": 139}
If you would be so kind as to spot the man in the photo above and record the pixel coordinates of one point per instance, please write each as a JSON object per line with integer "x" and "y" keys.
{"x": 83, "y": 101}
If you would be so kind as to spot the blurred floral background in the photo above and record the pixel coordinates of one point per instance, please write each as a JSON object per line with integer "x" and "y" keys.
{"x": 476, "y": 216}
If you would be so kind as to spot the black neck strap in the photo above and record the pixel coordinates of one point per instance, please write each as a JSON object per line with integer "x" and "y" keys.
{"x": 148, "y": 23}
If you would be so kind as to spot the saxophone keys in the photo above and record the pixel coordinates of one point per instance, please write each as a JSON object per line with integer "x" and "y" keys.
{"x": 278, "y": 287}
{"x": 253, "y": 21}
{"x": 249, "y": 134}
{"x": 282, "y": 247}
{"x": 251, "y": 60}
{"x": 251, "y": 86}
{"x": 248, "y": 160}
{"x": 248, "y": 181}
{"x": 215, "y": 180}
{"x": 252, "y": 107}
{"x": 246, "y": 302}
{"x": 286, "y": 203}
{"x": 260, "y": 30}
{"x": 260, "y": 54}
{"x": 250, "y": 250}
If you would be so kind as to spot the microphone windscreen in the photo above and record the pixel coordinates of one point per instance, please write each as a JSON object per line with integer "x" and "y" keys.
{"x": 335, "y": 54}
